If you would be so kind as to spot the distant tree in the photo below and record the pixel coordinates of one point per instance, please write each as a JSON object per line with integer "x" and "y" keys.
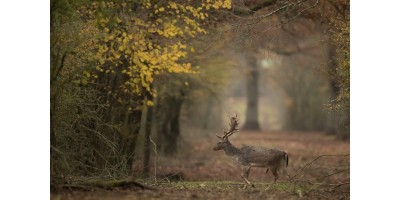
{"x": 300, "y": 19}
{"x": 252, "y": 92}
{"x": 248, "y": 22}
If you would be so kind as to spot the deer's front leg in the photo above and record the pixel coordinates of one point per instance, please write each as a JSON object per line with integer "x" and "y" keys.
{"x": 245, "y": 175}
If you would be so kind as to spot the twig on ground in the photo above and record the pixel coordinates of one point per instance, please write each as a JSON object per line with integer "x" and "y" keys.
{"x": 338, "y": 185}
{"x": 107, "y": 185}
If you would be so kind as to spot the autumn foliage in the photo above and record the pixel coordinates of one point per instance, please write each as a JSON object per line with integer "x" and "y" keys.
{"x": 105, "y": 57}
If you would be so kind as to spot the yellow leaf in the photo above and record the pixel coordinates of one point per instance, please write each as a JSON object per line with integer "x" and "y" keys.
{"x": 117, "y": 55}
{"x": 149, "y": 103}
{"x": 118, "y": 19}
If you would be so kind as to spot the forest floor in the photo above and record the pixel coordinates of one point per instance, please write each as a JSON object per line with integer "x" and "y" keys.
{"x": 319, "y": 168}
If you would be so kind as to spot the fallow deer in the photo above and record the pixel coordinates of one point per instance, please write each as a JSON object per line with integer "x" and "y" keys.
{"x": 252, "y": 156}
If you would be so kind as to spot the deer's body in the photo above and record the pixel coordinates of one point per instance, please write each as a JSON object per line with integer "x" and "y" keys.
{"x": 253, "y": 156}
{"x": 262, "y": 157}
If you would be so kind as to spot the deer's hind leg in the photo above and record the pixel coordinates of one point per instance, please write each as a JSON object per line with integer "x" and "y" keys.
{"x": 276, "y": 176}
{"x": 245, "y": 176}
{"x": 275, "y": 173}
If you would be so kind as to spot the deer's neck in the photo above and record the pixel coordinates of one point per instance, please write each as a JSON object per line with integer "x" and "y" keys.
{"x": 231, "y": 150}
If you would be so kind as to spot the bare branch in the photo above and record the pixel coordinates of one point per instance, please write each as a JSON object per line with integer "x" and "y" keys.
{"x": 280, "y": 9}
{"x": 292, "y": 18}
{"x": 315, "y": 159}
{"x": 253, "y": 9}
{"x": 155, "y": 163}
{"x": 297, "y": 50}
{"x": 155, "y": 160}
{"x": 338, "y": 172}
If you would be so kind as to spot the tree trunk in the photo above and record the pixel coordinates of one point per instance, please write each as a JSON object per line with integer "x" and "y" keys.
{"x": 168, "y": 131}
{"x": 338, "y": 126}
{"x": 53, "y": 144}
{"x": 146, "y": 146}
{"x": 252, "y": 96}
{"x": 133, "y": 126}
{"x": 53, "y": 140}
{"x": 174, "y": 132}
{"x": 162, "y": 125}
{"x": 332, "y": 65}
{"x": 212, "y": 115}
{"x": 206, "y": 120}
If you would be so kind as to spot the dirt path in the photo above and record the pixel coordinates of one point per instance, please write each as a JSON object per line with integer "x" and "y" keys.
{"x": 208, "y": 174}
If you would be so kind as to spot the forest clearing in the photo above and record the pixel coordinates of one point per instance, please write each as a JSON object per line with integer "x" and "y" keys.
{"x": 140, "y": 88}
{"x": 207, "y": 174}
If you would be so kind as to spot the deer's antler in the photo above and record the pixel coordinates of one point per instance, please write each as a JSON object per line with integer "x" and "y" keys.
{"x": 234, "y": 123}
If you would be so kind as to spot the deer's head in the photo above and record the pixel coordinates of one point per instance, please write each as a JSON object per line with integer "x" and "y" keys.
{"x": 224, "y": 139}
{"x": 221, "y": 144}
